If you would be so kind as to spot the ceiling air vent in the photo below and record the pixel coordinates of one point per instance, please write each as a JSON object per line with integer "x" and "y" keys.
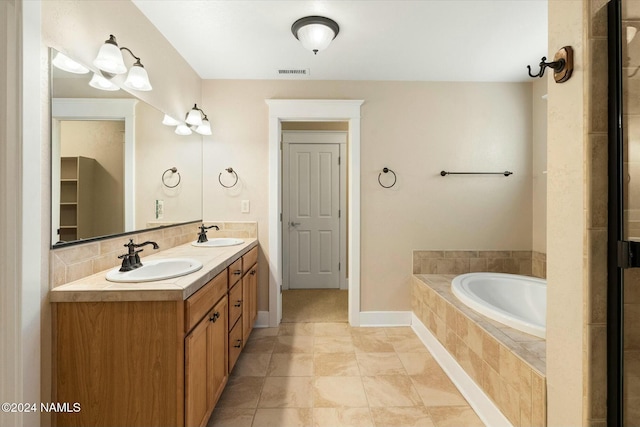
{"x": 293, "y": 72}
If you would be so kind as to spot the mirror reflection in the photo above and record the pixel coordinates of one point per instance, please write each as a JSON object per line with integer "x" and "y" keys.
{"x": 115, "y": 167}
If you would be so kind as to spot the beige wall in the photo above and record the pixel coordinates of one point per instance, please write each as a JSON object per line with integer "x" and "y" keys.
{"x": 158, "y": 148}
{"x": 416, "y": 129}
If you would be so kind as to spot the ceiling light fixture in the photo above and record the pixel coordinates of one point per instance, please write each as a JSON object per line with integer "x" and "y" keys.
{"x": 195, "y": 120}
{"x": 315, "y": 32}
{"x": 110, "y": 61}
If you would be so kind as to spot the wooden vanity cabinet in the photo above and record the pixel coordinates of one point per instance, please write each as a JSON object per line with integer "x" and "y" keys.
{"x": 249, "y": 301}
{"x": 152, "y": 363}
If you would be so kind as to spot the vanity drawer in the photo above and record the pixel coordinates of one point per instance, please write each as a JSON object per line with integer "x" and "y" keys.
{"x": 249, "y": 259}
{"x": 235, "y": 304}
{"x": 198, "y": 304}
{"x": 235, "y": 344}
{"x": 235, "y": 272}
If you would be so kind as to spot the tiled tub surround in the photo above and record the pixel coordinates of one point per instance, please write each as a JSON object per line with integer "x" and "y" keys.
{"x": 78, "y": 261}
{"x": 526, "y": 263}
{"x": 508, "y": 365}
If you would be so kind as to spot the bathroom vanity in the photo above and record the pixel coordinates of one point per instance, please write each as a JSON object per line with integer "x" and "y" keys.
{"x": 154, "y": 353}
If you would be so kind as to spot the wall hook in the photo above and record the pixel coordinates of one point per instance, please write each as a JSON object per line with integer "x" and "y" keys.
{"x": 562, "y": 65}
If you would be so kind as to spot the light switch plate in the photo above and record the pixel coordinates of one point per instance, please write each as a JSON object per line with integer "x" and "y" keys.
{"x": 244, "y": 206}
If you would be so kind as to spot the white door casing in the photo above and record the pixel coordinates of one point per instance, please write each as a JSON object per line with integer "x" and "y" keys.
{"x": 313, "y": 190}
{"x": 313, "y": 110}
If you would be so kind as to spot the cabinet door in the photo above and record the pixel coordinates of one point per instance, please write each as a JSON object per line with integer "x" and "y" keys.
{"x": 206, "y": 365}
{"x": 218, "y": 349}
{"x": 249, "y": 303}
{"x": 195, "y": 374}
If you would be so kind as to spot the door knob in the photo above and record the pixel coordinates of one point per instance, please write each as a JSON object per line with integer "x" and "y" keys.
{"x": 294, "y": 224}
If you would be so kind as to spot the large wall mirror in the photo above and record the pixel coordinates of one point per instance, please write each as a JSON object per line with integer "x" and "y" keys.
{"x": 114, "y": 167}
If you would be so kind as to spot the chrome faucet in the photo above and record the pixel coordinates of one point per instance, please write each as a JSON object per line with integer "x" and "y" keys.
{"x": 202, "y": 235}
{"x": 131, "y": 260}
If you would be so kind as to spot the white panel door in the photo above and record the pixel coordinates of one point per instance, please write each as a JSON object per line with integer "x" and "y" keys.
{"x": 314, "y": 223}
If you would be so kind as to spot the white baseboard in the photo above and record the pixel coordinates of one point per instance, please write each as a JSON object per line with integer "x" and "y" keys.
{"x": 262, "y": 320}
{"x": 385, "y": 318}
{"x": 479, "y": 401}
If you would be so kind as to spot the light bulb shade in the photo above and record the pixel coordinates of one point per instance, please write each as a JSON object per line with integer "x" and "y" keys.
{"x": 109, "y": 58}
{"x": 99, "y": 82}
{"x": 194, "y": 117}
{"x": 138, "y": 79}
{"x": 315, "y": 32}
{"x": 183, "y": 129}
{"x": 65, "y": 63}
{"x": 169, "y": 121}
{"x": 204, "y": 128}
{"x": 631, "y": 33}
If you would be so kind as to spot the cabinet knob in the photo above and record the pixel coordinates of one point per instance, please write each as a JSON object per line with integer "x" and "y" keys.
{"x": 238, "y": 344}
{"x": 238, "y": 304}
{"x": 253, "y": 272}
{"x": 215, "y": 317}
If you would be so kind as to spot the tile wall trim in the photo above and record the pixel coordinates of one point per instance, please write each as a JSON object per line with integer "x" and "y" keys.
{"x": 68, "y": 264}
{"x": 526, "y": 263}
{"x": 479, "y": 401}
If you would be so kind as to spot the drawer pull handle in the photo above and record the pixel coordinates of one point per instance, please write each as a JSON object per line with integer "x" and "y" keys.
{"x": 238, "y": 304}
{"x": 215, "y": 317}
{"x": 238, "y": 344}
{"x": 237, "y": 272}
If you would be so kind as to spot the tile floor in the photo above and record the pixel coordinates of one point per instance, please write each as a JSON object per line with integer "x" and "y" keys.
{"x": 330, "y": 374}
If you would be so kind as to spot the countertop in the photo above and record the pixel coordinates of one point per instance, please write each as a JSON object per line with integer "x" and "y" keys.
{"x": 97, "y": 288}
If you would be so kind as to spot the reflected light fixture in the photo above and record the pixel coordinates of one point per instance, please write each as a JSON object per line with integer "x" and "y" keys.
{"x": 315, "y": 32}
{"x": 65, "y": 63}
{"x": 99, "y": 82}
{"x": 111, "y": 62}
{"x": 195, "y": 120}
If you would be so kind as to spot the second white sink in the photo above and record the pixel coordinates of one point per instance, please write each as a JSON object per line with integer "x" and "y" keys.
{"x": 159, "y": 269}
{"x": 219, "y": 242}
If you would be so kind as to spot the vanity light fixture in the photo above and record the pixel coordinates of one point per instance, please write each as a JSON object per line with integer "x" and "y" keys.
{"x": 315, "y": 32}
{"x": 111, "y": 62}
{"x": 170, "y": 121}
{"x": 99, "y": 82}
{"x": 65, "y": 63}
{"x": 195, "y": 120}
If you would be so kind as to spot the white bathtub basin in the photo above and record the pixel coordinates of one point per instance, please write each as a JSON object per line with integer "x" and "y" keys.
{"x": 516, "y": 301}
{"x": 153, "y": 270}
{"x": 218, "y": 242}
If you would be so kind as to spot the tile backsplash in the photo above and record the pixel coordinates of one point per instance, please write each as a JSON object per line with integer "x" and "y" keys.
{"x": 526, "y": 263}
{"x": 78, "y": 261}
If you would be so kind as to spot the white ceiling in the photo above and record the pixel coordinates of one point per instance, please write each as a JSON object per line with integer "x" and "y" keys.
{"x": 419, "y": 40}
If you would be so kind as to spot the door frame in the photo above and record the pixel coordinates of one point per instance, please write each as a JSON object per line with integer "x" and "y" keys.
{"x": 325, "y": 110}
{"x": 340, "y": 138}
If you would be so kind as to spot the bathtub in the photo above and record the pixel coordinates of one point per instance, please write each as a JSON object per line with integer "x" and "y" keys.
{"x": 516, "y": 301}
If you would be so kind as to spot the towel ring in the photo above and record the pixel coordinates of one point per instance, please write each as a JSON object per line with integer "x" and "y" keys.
{"x": 386, "y": 170}
{"x": 172, "y": 170}
{"x": 230, "y": 170}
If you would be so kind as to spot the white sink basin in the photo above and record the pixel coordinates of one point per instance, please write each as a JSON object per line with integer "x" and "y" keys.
{"x": 219, "y": 242}
{"x": 158, "y": 269}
